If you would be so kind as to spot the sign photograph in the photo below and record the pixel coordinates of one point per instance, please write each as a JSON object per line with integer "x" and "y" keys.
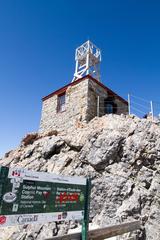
{"x": 39, "y": 197}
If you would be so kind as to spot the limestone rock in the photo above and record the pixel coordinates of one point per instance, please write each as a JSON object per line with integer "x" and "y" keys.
{"x": 121, "y": 154}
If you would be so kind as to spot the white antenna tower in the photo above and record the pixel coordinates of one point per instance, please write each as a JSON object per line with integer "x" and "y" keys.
{"x": 88, "y": 58}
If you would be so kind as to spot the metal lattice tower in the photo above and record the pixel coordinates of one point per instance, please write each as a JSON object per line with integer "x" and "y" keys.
{"x": 88, "y": 58}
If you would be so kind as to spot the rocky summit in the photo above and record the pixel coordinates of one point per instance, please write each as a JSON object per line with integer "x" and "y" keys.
{"x": 121, "y": 154}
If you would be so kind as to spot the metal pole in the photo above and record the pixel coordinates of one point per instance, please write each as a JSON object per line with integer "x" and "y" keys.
{"x": 152, "y": 111}
{"x": 87, "y": 63}
{"x": 86, "y": 211}
{"x": 97, "y": 106}
{"x": 129, "y": 104}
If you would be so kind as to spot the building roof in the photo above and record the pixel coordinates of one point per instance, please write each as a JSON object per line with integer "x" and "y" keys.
{"x": 61, "y": 90}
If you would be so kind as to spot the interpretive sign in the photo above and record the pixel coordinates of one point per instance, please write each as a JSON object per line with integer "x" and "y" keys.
{"x": 39, "y": 197}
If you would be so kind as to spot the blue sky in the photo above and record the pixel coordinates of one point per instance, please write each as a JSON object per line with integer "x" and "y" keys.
{"x": 37, "y": 44}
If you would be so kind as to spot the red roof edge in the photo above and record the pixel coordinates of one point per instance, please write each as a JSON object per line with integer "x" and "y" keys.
{"x": 109, "y": 90}
{"x": 63, "y": 89}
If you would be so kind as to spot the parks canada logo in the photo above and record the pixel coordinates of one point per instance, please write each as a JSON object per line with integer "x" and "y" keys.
{"x": 9, "y": 197}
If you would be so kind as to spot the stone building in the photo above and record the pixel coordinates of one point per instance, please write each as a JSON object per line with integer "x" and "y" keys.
{"x": 80, "y": 101}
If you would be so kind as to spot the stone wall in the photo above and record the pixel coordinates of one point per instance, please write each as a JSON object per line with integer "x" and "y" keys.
{"x": 95, "y": 90}
{"x": 121, "y": 107}
{"x": 81, "y": 106}
{"x": 75, "y": 109}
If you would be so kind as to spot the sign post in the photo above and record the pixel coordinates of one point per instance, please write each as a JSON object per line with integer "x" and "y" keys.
{"x": 39, "y": 197}
{"x": 85, "y": 221}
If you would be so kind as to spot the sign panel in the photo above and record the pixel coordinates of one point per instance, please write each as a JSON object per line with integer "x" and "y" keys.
{"x": 39, "y": 197}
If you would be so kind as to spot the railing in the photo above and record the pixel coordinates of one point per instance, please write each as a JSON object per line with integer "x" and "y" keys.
{"x": 102, "y": 233}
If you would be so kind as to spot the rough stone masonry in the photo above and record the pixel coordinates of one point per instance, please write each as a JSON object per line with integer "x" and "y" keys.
{"x": 84, "y": 99}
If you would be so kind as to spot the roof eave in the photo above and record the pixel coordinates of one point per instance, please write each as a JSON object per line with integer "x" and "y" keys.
{"x": 63, "y": 89}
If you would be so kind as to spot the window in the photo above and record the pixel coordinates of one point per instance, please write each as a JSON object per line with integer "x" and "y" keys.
{"x": 110, "y": 106}
{"x": 61, "y": 102}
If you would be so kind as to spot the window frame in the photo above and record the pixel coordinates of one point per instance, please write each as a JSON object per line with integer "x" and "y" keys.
{"x": 110, "y": 101}
{"x": 61, "y": 106}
